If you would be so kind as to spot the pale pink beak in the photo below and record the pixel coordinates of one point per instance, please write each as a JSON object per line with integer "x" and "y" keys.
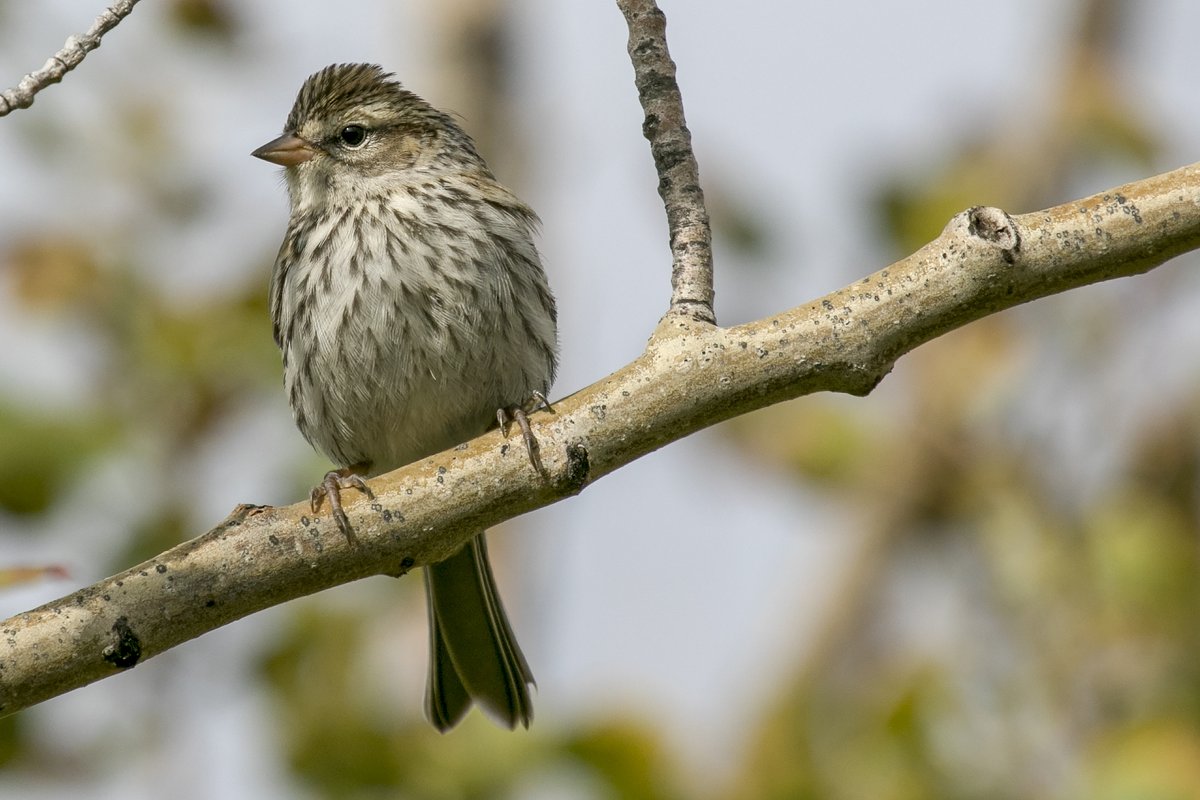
{"x": 286, "y": 151}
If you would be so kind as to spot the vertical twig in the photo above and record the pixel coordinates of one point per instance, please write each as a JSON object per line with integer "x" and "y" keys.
{"x": 65, "y": 60}
{"x": 671, "y": 146}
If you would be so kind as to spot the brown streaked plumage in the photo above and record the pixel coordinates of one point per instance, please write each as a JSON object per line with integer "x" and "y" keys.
{"x": 410, "y": 304}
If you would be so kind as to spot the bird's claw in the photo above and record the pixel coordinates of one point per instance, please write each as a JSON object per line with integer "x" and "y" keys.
{"x": 518, "y": 414}
{"x": 331, "y": 487}
{"x": 538, "y": 401}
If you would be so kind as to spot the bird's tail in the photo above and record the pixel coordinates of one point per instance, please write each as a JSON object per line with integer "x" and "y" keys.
{"x": 473, "y": 655}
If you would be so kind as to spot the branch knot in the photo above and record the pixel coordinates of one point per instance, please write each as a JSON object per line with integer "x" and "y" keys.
{"x": 996, "y": 227}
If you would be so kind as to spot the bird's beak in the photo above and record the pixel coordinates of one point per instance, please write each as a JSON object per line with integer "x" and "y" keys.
{"x": 286, "y": 151}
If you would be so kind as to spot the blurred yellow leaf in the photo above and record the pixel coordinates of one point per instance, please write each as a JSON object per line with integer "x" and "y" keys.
{"x": 53, "y": 272}
{"x": 15, "y": 576}
{"x": 1159, "y": 760}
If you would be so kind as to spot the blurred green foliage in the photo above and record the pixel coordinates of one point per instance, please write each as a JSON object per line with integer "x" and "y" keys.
{"x": 213, "y": 19}
{"x": 1072, "y": 669}
{"x": 41, "y": 452}
{"x": 347, "y": 744}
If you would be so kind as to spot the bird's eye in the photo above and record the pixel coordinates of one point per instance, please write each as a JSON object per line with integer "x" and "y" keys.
{"x": 353, "y": 135}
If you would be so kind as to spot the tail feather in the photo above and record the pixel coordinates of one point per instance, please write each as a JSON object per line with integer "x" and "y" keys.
{"x": 446, "y": 699}
{"x": 473, "y": 654}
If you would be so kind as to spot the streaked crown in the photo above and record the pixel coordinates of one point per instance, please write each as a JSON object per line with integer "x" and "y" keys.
{"x": 343, "y": 90}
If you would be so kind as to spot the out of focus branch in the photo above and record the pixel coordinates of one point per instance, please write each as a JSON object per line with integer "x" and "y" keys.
{"x": 68, "y": 58}
{"x": 692, "y": 375}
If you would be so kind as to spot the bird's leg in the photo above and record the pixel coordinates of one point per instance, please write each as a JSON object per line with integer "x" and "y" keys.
{"x": 331, "y": 487}
{"x": 506, "y": 416}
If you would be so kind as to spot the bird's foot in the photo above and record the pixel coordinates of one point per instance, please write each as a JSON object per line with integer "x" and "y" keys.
{"x": 331, "y": 487}
{"x": 519, "y": 414}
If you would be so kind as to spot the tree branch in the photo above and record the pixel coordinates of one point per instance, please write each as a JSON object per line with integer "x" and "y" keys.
{"x": 692, "y": 375}
{"x": 671, "y": 146}
{"x": 65, "y": 60}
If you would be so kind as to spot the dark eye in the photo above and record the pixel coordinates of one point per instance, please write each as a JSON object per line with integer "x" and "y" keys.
{"x": 353, "y": 135}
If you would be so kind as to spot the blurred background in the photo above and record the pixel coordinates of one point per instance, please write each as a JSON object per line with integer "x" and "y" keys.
{"x": 982, "y": 581}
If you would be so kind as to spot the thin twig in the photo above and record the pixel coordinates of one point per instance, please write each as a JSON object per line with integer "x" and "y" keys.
{"x": 65, "y": 60}
{"x": 671, "y": 146}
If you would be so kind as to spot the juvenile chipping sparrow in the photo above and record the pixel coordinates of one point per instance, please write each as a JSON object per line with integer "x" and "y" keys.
{"x": 410, "y": 304}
